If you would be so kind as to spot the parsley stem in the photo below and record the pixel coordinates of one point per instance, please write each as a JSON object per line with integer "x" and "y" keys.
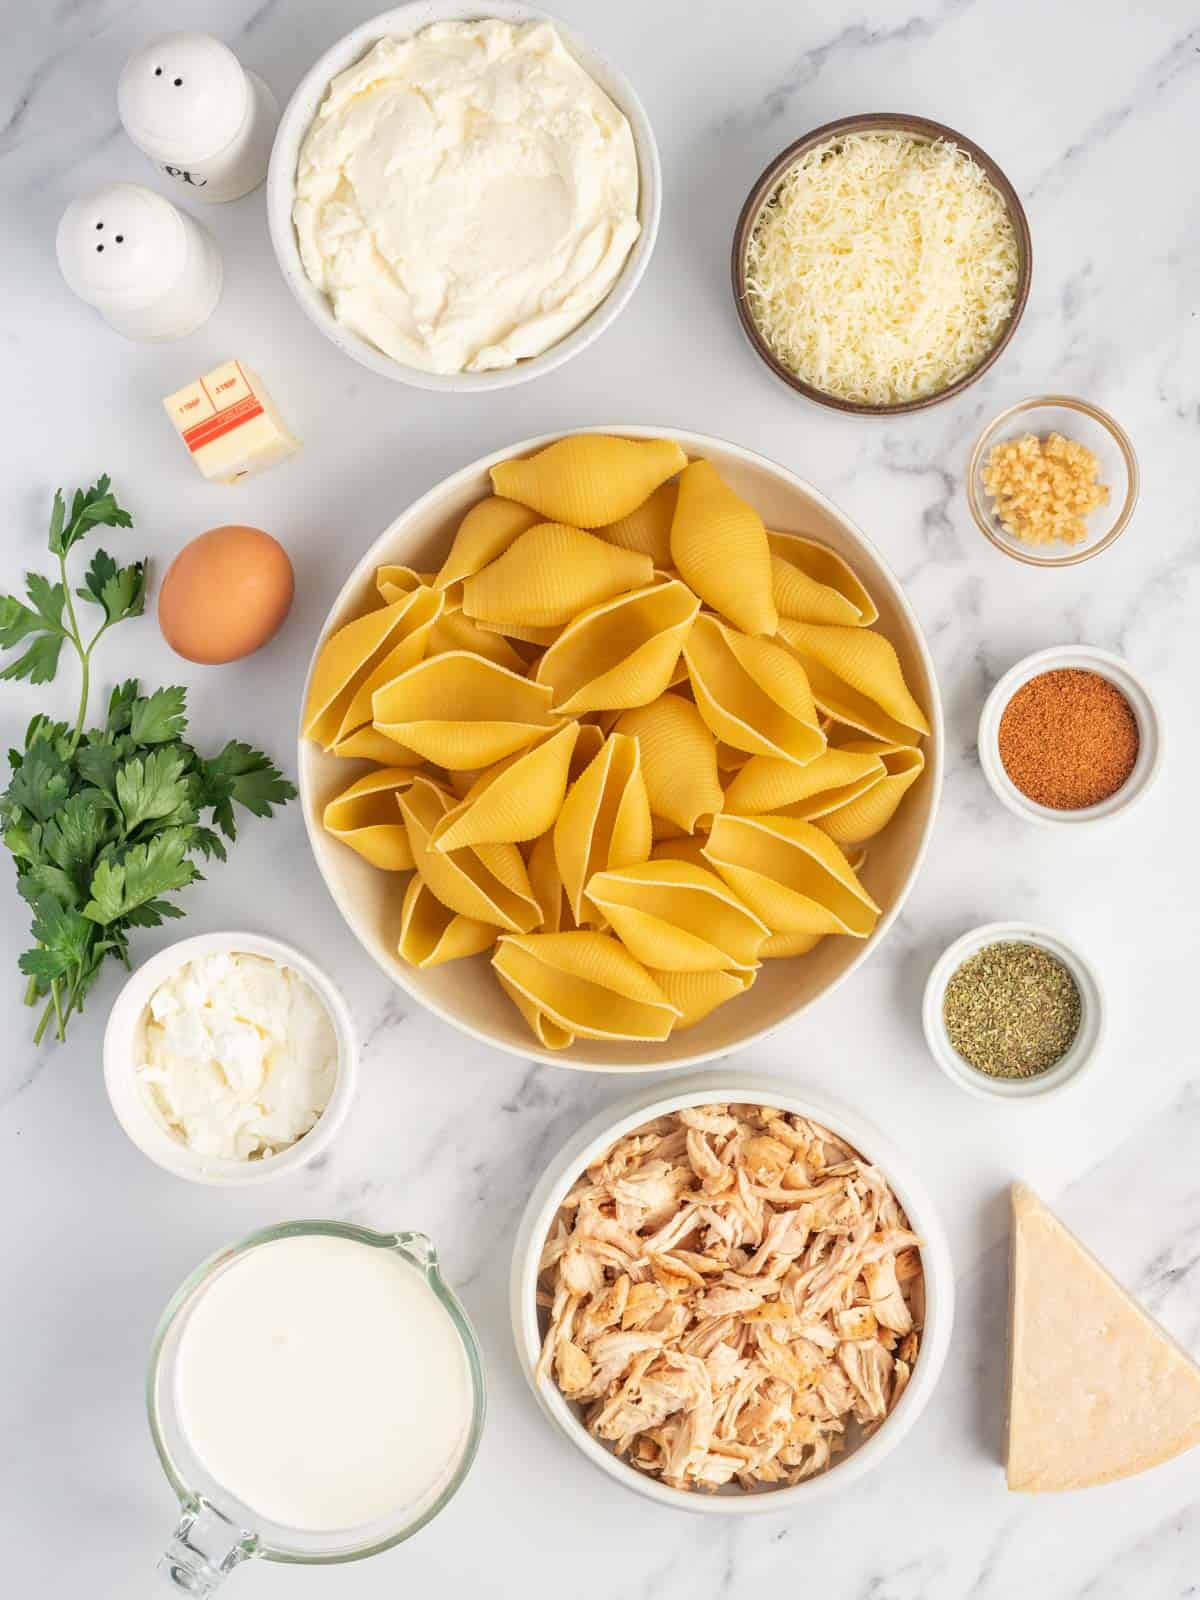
{"x": 45, "y": 1018}
{"x": 84, "y": 663}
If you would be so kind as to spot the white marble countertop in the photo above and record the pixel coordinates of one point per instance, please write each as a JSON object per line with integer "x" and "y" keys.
{"x": 1094, "y": 111}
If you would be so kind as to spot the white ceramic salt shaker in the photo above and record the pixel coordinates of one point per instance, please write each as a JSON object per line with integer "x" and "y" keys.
{"x": 187, "y": 102}
{"x": 151, "y": 272}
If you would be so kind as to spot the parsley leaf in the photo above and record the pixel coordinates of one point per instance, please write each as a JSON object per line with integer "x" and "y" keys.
{"x": 79, "y": 829}
{"x": 120, "y": 708}
{"x": 153, "y": 787}
{"x": 64, "y": 936}
{"x": 159, "y": 717}
{"x": 247, "y": 776}
{"x": 121, "y": 591}
{"x": 93, "y": 508}
{"x": 41, "y": 621}
{"x": 146, "y": 871}
{"x": 41, "y": 783}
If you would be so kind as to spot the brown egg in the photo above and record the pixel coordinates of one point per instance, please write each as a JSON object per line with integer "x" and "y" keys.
{"x": 225, "y": 594}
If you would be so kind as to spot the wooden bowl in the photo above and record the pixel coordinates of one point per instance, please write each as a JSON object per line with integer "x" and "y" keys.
{"x": 765, "y": 188}
{"x": 466, "y": 993}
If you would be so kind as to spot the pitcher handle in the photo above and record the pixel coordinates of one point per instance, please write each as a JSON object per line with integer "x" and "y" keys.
{"x": 203, "y": 1549}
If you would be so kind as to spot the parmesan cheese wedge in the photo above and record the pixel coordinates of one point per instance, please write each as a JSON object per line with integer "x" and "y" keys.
{"x": 1097, "y": 1390}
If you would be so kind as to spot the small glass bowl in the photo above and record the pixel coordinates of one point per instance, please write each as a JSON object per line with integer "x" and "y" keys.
{"x": 1081, "y": 1053}
{"x": 1088, "y": 425}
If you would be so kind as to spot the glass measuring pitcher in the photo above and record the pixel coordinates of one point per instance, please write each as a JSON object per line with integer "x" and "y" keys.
{"x": 216, "y": 1531}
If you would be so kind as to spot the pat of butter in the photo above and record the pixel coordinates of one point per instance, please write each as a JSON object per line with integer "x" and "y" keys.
{"x": 229, "y": 423}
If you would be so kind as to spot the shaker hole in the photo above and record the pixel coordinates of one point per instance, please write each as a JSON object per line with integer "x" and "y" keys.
{"x": 179, "y": 83}
{"x": 120, "y": 238}
{"x": 158, "y": 72}
{"x": 99, "y": 225}
{"x": 99, "y": 249}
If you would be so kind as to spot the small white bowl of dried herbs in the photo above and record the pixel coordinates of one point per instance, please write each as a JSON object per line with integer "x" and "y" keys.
{"x": 1013, "y": 1012}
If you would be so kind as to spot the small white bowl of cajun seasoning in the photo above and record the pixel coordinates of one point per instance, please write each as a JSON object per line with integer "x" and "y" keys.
{"x": 1013, "y": 1012}
{"x": 1070, "y": 735}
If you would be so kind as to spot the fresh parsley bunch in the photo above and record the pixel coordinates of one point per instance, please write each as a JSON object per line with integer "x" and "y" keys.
{"x": 104, "y": 823}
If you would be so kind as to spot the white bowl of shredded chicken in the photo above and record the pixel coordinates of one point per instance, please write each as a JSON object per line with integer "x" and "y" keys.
{"x": 732, "y": 1298}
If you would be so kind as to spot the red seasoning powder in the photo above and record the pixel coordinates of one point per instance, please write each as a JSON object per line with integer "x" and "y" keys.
{"x": 1068, "y": 739}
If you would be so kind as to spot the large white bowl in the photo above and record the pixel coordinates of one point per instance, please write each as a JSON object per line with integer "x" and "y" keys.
{"x": 602, "y": 1132}
{"x": 297, "y": 119}
{"x": 465, "y": 992}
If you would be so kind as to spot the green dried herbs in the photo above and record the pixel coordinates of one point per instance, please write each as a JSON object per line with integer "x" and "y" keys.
{"x": 1012, "y": 1010}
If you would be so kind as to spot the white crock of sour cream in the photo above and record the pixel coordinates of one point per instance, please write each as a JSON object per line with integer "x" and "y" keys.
{"x": 467, "y": 195}
{"x": 238, "y": 1056}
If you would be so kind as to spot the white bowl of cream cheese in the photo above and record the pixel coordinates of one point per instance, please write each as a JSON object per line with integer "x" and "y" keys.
{"x": 230, "y": 1059}
{"x": 462, "y": 201}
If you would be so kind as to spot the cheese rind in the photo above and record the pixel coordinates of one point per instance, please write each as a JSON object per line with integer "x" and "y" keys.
{"x": 1097, "y": 1390}
{"x": 229, "y": 423}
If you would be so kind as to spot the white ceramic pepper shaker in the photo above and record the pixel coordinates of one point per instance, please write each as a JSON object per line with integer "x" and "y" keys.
{"x": 151, "y": 272}
{"x": 187, "y": 102}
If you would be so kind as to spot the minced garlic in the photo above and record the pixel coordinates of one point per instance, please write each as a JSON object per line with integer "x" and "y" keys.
{"x": 1044, "y": 489}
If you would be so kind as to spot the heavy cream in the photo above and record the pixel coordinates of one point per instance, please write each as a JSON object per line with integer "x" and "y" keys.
{"x": 323, "y": 1383}
{"x": 466, "y": 195}
{"x": 238, "y": 1056}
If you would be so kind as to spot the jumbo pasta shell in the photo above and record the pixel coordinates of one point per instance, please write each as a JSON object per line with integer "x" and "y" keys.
{"x": 459, "y": 710}
{"x": 395, "y": 583}
{"x": 430, "y": 933}
{"x": 857, "y": 679}
{"x": 621, "y": 653}
{"x": 781, "y": 946}
{"x": 549, "y": 1034}
{"x": 679, "y": 917}
{"x": 679, "y": 759}
{"x": 719, "y": 544}
{"x": 833, "y": 780}
{"x": 647, "y": 529}
{"x": 487, "y": 883}
{"x": 589, "y": 479}
{"x": 366, "y": 817}
{"x": 518, "y": 799}
{"x": 368, "y": 744}
{"x": 791, "y": 875}
{"x": 813, "y": 584}
{"x": 687, "y": 847}
{"x": 455, "y": 631}
{"x": 546, "y": 882}
{"x": 407, "y": 646}
{"x": 586, "y": 983}
{"x": 697, "y": 994}
{"x": 548, "y": 575}
{"x": 604, "y": 821}
{"x": 345, "y": 661}
{"x": 484, "y": 533}
{"x": 752, "y": 693}
{"x": 864, "y": 815}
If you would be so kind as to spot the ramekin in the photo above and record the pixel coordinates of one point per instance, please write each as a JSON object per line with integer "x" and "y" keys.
{"x": 1085, "y": 1047}
{"x": 128, "y": 1100}
{"x": 1082, "y": 658}
{"x": 596, "y": 1137}
{"x": 281, "y": 183}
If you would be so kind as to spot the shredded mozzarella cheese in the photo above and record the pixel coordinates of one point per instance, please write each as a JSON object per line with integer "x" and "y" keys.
{"x": 884, "y": 268}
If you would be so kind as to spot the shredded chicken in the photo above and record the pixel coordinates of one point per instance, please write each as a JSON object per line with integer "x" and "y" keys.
{"x": 731, "y": 1295}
